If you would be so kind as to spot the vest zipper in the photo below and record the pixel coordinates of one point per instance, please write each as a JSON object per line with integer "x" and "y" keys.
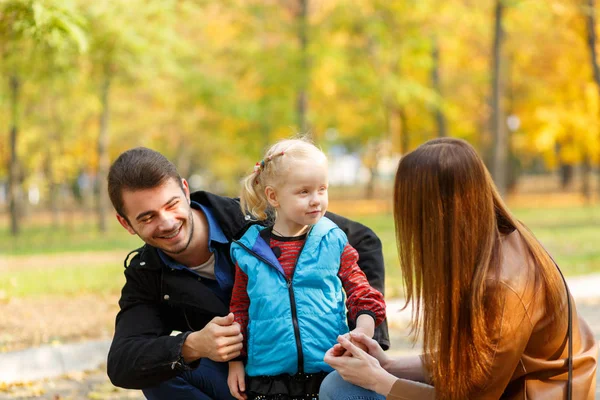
{"x": 292, "y": 300}
{"x": 294, "y": 312}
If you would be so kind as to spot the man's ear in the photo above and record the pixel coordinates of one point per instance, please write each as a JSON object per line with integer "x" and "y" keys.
{"x": 271, "y": 196}
{"x": 125, "y": 224}
{"x": 186, "y": 190}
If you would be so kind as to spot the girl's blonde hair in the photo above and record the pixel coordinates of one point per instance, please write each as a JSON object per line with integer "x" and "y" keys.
{"x": 271, "y": 171}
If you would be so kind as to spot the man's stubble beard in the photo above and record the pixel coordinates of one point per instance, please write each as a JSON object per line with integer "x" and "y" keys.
{"x": 191, "y": 219}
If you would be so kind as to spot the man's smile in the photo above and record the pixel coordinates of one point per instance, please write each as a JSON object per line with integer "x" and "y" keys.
{"x": 173, "y": 233}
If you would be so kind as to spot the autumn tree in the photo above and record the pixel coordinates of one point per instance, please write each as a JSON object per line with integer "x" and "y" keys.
{"x": 30, "y": 31}
{"x": 590, "y": 17}
{"x": 128, "y": 41}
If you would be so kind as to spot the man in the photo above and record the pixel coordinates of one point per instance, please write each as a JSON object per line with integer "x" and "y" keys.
{"x": 181, "y": 281}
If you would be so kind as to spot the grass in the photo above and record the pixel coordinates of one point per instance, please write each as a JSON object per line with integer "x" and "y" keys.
{"x": 70, "y": 280}
{"x": 78, "y": 236}
{"x": 570, "y": 234}
{"x": 34, "y": 266}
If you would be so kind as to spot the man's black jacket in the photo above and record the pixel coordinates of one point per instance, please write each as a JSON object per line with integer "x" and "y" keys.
{"x": 157, "y": 300}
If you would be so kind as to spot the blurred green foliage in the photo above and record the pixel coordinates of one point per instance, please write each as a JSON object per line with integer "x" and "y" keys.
{"x": 210, "y": 84}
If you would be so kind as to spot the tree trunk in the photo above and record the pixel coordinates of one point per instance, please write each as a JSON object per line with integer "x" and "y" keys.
{"x": 499, "y": 130}
{"x": 55, "y": 137}
{"x": 405, "y": 138}
{"x": 184, "y": 159}
{"x": 435, "y": 80}
{"x": 392, "y": 123}
{"x": 302, "y": 99}
{"x": 591, "y": 41}
{"x": 103, "y": 160}
{"x": 566, "y": 176}
{"x": 370, "y": 188}
{"x": 14, "y": 174}
{"x": 397, "y": 128}
{"x": 586, "y": 174}
{"x": 52, "y": 189}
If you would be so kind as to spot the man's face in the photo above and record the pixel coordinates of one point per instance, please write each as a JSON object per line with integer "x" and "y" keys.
{"x": 161, "y": 216}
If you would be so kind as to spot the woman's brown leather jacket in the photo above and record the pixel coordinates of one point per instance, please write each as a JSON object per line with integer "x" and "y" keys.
{"x": 530, "y": 359}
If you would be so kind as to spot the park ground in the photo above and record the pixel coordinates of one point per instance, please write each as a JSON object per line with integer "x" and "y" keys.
{"x": 61, "y": 284}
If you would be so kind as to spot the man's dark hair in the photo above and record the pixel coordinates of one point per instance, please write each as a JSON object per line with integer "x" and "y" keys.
{"x": 137, "y": 169}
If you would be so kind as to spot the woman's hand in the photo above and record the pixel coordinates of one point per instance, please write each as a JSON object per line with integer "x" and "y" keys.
{"x": 366, "y": 344}
{"x": 360, "y": 369}
{"x": 237, "y": 380}
{"x": 350, "y": 336}
{"x": 372, "y": 347}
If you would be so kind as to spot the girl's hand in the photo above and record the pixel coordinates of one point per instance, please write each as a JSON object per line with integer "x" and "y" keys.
{"x": 237, "y": 380}
{"x": 365, "y": 326}
{"x": 360, "y": 369}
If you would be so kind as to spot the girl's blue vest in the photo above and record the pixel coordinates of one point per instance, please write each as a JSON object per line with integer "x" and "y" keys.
{"x": 292, "y": 324}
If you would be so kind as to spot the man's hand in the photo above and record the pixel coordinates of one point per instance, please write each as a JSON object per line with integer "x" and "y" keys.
{"x": 220, "y": 340}
{"x": 236, "y": 380}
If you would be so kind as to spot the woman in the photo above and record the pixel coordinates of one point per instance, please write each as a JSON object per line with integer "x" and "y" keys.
{"x": 490, "y": 301}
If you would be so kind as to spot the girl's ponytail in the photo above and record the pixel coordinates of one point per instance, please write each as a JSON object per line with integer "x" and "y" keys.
{"x": 252, "y": 197}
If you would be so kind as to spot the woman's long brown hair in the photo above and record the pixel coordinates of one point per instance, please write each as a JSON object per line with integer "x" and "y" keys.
{"x": 449, "y": 219}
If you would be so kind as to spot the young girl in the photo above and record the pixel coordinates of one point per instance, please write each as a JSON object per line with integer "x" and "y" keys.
{"x": 290, "y": 279}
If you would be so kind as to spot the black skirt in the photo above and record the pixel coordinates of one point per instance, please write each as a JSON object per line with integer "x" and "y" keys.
{"x": 285, "y": 386}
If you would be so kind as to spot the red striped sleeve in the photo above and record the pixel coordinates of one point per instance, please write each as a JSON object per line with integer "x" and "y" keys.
{"x": 240, "y": 302}
{"x": 361, "y": 297}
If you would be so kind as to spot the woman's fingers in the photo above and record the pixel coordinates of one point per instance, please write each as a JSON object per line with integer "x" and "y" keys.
{"x": 368, "y": 344}
{"x": 348, "y": 345}
{"x": 361, "y": 338}
{"x": 344, "y": 349}
{"x": 338, "y": 350}
{"x": 337, "y": 362}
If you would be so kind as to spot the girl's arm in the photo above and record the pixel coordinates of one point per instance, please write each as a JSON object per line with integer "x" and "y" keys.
{"x": 240, "y": 302}
{"x": 368, "y": 245}
{"x": 365, "y": 324}
{"x": 362, "y": 300}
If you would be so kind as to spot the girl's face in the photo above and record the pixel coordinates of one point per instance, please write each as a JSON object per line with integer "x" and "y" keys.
{"x": 301, "y": 198}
